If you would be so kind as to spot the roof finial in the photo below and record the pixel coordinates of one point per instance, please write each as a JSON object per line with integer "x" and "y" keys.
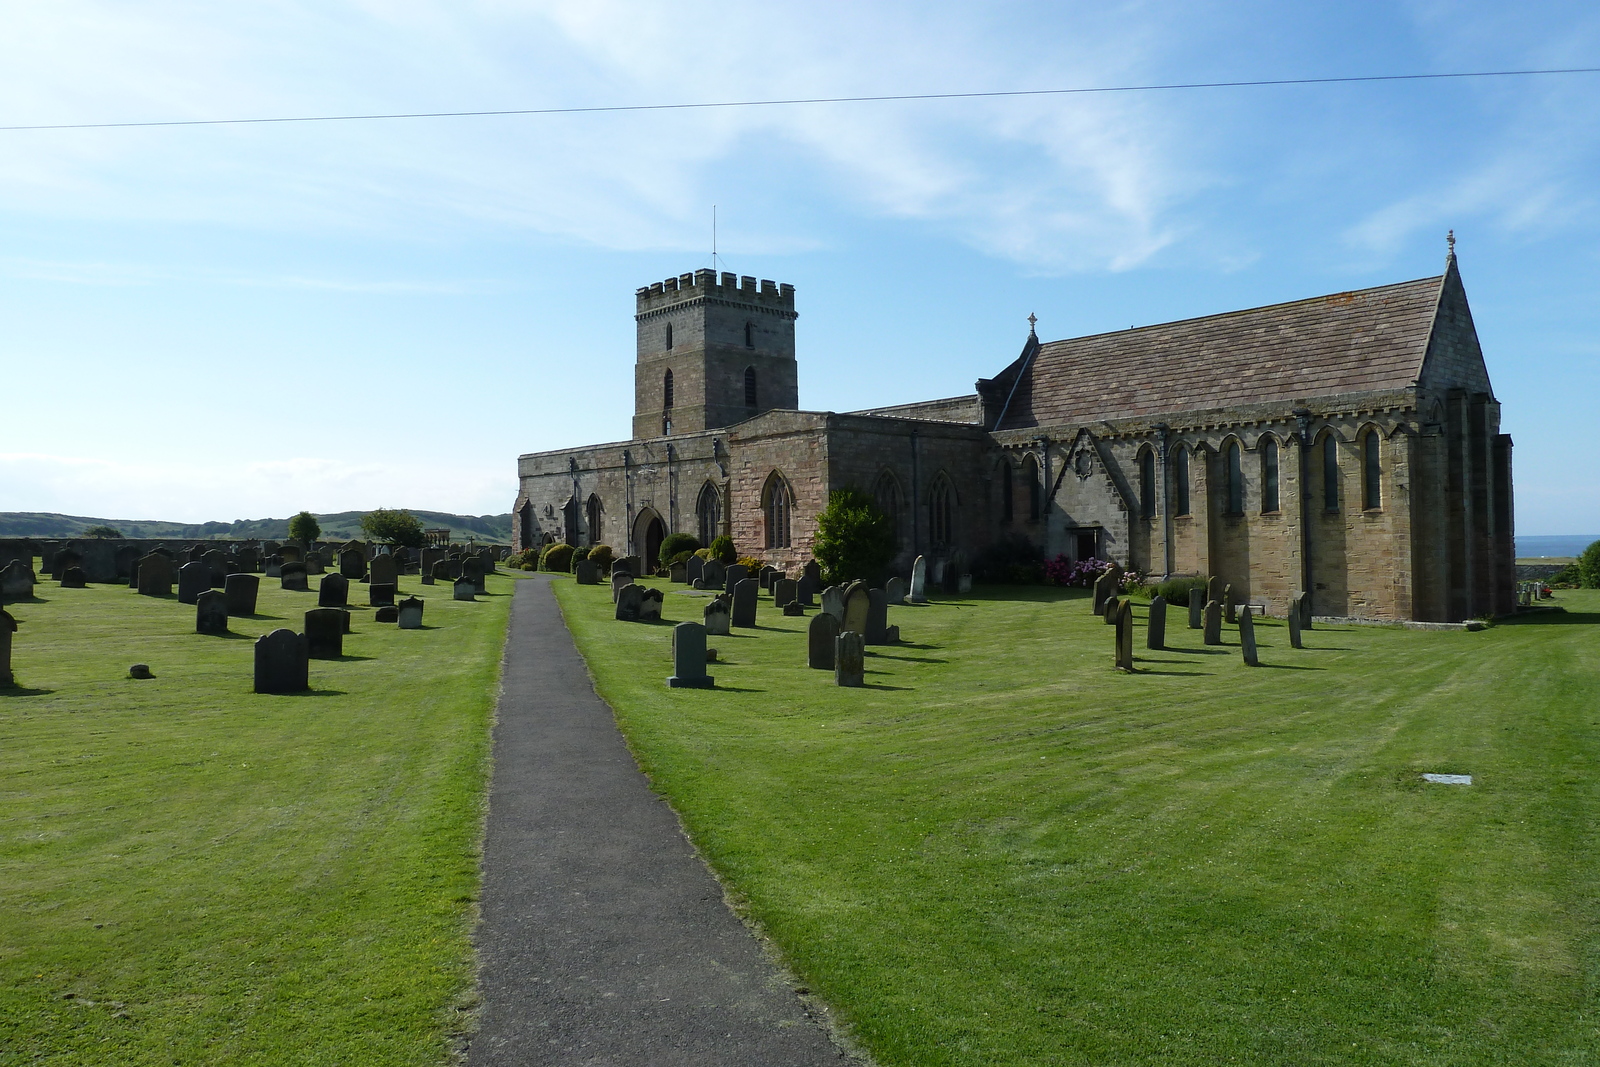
{"x": 1450, "y": 239}
{"x": 1032, "y": 318}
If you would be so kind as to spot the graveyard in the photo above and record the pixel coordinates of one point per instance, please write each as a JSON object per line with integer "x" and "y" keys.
{"x": 1000, "y": 849}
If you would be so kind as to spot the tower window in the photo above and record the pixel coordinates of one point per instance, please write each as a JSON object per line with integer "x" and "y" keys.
{"x": 1180, "y": 480}
{"x": 666, "y": 390}
{"x": 1235, "y": 475}
{"x": 669, "y": 335}
{"x": 1147, "y": 485}
{"x": 1269, "y": 475}
{"x": 749, "y": 335}
{"x": 1330, "y": 473}
{"x": 749, "y": 387}
{"x": 1372, "y": 468}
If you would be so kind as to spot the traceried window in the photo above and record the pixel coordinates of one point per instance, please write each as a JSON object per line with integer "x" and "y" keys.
{"x": 1330, "y": 473}
{"x": 887, "y": 495}
{"x": 1147, "y": 485}
{"x": 1235, "y": 477}
{"x": 1180, "y": 481}
{"x": 749, "y": 387}
{"x": 777, "y": 506}
{"x": 708, "y": 510}
{"x": 1372, "y": 471}
{"x": 1269, "y": 475}
{"x": 941, "y": 513}
{"x": 1030, "y": 473}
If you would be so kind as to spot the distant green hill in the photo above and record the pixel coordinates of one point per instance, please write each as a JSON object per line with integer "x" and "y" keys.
{"x": 344, "y": 525}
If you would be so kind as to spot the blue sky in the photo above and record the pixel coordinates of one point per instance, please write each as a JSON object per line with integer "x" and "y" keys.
{"x": 229, "y": 322}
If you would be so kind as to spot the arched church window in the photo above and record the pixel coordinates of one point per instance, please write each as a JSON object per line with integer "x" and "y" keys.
{"x": 1030, "y": 474}
{"x": 749, "y": 335}
{"x": 777, "y": 505}
{"x": 1269, "y": 475}
{"x": 666, "y": 390}
{"x": 941, "y": 513}
{"x": 887, "y": 495}
{"x": 1180, "y": 481}
{"x": 749, "y": 387}
{"x": 669, "y": 335}
{"x": 1372, "y": 471}
{"x": 1007, "y": 493}
{"x": 1330, "y": 473}
{"x": 596, "y": 513}
{"x": 1147, "y": 484}
{"x": 708, "y": 510}
{"x": 1235, "y": 478}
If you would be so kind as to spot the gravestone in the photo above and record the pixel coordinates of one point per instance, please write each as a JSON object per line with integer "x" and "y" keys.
{"x": 635, "y": 566}
{"x": 314, "y": 563}
{"x": 211, "y": 612}
{"x": 813, "y": 570}
{"x": 194, "y": 578}
{"x": 220, "y": 566}
{"x": 1105, "y": 587}
{"x": 452, "y": 566}
{"x": 1196, "y": 606}
{"x": 736, "y": 574}
{"x": 693, "y": 568}
{"x": 325, "y": 633}
{"x": 1214, "y": 588}
{"x": 8, "y": 626}
{"x": 248, "y": 560}
{"x": 678, "y": 573}
{"x": 353, "y": 563}
{"x": 155, "y": 575}
{"x": 1123, "y": 612}
{"x": 856, "y": 606}
{"x": 387, "y": 613}
{"x": 409, "y": 613}
{"x": 441, "y": 572}
{"x": 585, "y": 573}
{"x": 784, "y": 592}
{"x": 383, "y": 569}
{"x": 919, "y": 582}
{"x": 293, "y": 578}
{"x": 16, "y": 581}
{"x": 718, "y": 616}
{"x": 833, "y": 601}
{"x": 241, "y": 593}
{"x": 1230, "y": 610}
{"x": 1155, "y": 633}
{"x": 877, "y": 628}
{"x": 1295, "y": 609}
{"x": 794, "y": 610}
{"x": 274, "y": 567}
{"x": 628, "y": 598}
{"x": 487, "y": 557}
{"x": 895, "y": 590}
{"x": 1305, "y": 611}
{"x": 620, "y": 580}
{"x": 650, "y": 604}
{"x": 74, "y": 578}
{"x": 1109, "y": 615}
{"x": 849, "y": 659}
{"x": 744, "y": 601}
{"x": 806, "y": 590}
{"x": 1247, "y": 637}
{"x": 463, "y": 589}
{"x": 380, "y": 595}
{"x": 689, "y": 657}
{"x": 292, "y": 553}
{"x": 820, "y": 637}
{"x": 126, "y": 559}
{"x": 964, "y": 585}
{"x": 1213, "y": 623}
{"x": 472, "y": 567}
{"x": 282, "y": 663}
{"x": 714, "y": 575}
{"x": 333, "y": 591}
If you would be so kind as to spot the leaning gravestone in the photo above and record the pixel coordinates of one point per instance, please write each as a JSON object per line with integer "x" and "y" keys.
{"x": 1247, "y": 637}
{"x": 628, "y": 599}
{"x": 325, "y": 633}
{"x": 620, "y": 580}
{"x": 333, "y": 591}
{"x": 783, "y": 592}
{"x": 241, "y": 592}
{"x": 387, "y": 613}
{"x": 919, "y": 582}
{"x": 294, "y": 579}
{"x": 1123, "y": 612}
{"x": 1196, "y": 607}
{"x": 833, "y": 601}
{"x": 585, "y": 573}
{"x": 877, "y": 628}
{"x": 194, "y": 578}
{"x": 1155, "y": 633}
{"x": 1105, "y": 587}
{"x": 689, "y": 657}
{"x": 1213, "y": 623}
{"x": 1295, "y": 609}
{"x": 849, "y": 659}
{"x": 856, "y": 606}
{"x": 1305, "y": 611}
{"x": 282, "y": 664}
{"x": 155, "y": 575}
{"x": 409, "y": 613}
{"x": 744, "y": 601}
{"x": 353, "y": 564}
{"x": 736, "y": 574}
{"x": 1109, "y": 616}
{"x": 380, "y": 595}
{"x": 820, "y": 638}
{"x": 463, "y": 589}
{"x": 1230, "y": 610}
{"x": 895, "y": 590}
{"x": 16, "y": 581}
{"x": 694, "y": 567}
{"x": 74, "y": 578}
{"x": 382, "y": 569}
{"x": 211, "y": 612}
{"x": 718, "y": 616}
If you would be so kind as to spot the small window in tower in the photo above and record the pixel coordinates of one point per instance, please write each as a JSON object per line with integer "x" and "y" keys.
{"x": 749, "y": 387}
{"x": 749, "y": 335}
{"x": 669, "y": 335}
{"x": 1372, "y": 481}
{"x": 1235, "y": 474}
{"x": 666, "y": 390}
{"x": 1330, "y": 473}
{"x": 1269, "y": 475}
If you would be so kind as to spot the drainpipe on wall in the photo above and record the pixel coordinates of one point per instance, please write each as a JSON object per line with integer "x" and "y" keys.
{"x": 1163, "y": 431}
{"x": 1302, "y": 418}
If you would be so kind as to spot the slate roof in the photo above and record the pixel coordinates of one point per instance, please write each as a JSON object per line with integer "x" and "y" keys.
{"x": 1360, "y": 341}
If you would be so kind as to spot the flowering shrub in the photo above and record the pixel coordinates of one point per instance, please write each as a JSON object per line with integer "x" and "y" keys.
{"x": 1062, "y": 571}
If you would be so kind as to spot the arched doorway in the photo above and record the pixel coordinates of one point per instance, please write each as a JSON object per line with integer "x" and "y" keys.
{"x": 648, "y": 533}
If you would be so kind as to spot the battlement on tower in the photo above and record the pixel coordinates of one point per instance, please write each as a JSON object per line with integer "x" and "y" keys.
{"x": 767, "y": 295}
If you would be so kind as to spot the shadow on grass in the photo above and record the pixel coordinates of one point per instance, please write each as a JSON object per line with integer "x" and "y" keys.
{"x": 1174, "y": 674}
{"x": 1193, "y": 651}
{"x": 22, "y": 691}
{"x": 308, "y": 693}
{"x": 341, "y": 659}
{"x": 1289, "y": 667}
{"x": 889, "y": 688}
{"x": 1560, "y": 617}
{"x": 274, "y": 618}
{"x": 29, "y": 599}
{"x": 909, "y": 659}
{"x": 734, "y": 688}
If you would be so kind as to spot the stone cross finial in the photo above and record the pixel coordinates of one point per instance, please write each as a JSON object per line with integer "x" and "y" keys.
{"x": 1450, "y": 239}
{"x": 1032, "y": 318}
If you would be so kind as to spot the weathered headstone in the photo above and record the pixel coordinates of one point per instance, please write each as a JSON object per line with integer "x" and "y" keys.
{"x": 745, "y": 594}
{"x": 273, "y": 568}
{"x": 1305, "y": 611}
{"x": 585, "y": 573}
{"x": 856, "y": 606}
{"x": 293, "y": 577}
{"x": 714, "y": 574}
{"x": 441, "y": 572}
{"x": 813, "y": 570}
{"x": 919, "y": 582}
{"x": 380, "y": 595}
{"x": 1155, "y": 632}
{"x": 964, "y": 584}
{"x": 1105, "y": 587}
{"x": 387, "y": 613}
{"x": 1247, "y": 637}
{"x": 249, "y": 560}
{"x": 689, "y": 657}
{"x": 8, "y": 626}
{"x": 1196, "y": 607}
{"x": 74, "y": 578}
{"x": 1109, "y": 611}
{"x": 1295, "y": 610}
{"x": 877, "y": 629}
{"x": 650, "y": 604}
{"x": 849, "y": 659}
{"x": 241, "y": 591}
{"x": 353, "y": 564}
{"x": 678, "y": 573}
{"x": 628, "y": 599}
{"x": 220, "y": 566}
{"x": 1214, "y": 587}
{"x": 1230, "y": 610}
{"x": 793, "y": 610}
{"x": 736, "y": 574}
{"x": 16, "y": 581}
{"x": 806, "y": 590}
{"x": 833, "y": 601}
{"x": 820, "y": 637}
{"x": 1213, "y": 623}
{"x": 325, "y": 632}
{"x": 282, "y": 663}
{"x": 694, "y": 567}
{"x": 895, "y": 590}
{"x": 784, "y": 592}
{"x": 463, "y": 589}
{"x": 383, "y": 569}
{"x": 333, "y": 591}
{"x": 1122, "y": 611}
{"x": 620, "y": 580}
{"x": 211, "y": 612}
{"x": 315, "y": 564}
{"x": 409, "y": 613}
{"x": 472, "y": 567}
{"x": 718, "y": 616}
{"x": 155, "y": 575}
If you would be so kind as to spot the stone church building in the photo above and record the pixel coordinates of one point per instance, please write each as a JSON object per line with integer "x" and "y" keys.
{"x": 1346, "y": 445}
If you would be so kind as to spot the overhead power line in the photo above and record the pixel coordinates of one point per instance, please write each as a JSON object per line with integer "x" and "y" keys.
{"x": 691, "y": 106}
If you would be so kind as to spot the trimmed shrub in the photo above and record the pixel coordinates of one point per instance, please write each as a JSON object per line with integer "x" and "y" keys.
{"x": 752, "y": 563}
{"x": 681, "y": 557}
{"x": 704, "y": 553}
{"x": 678, "y": 544}
{"x": 1178, "y": 590}
{"x": 580, "y": 554}
{"x": 601, "y": 556}
{"x": 556, "y": 557}
{"x": 722, "y": 549}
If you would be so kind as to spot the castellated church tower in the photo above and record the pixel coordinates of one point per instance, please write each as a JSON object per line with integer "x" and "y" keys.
{"x": 712, "y": 353}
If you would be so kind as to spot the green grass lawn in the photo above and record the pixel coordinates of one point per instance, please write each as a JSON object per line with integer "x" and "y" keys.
{"x": 1004, "y": 852}
{"x": 194, "y": 874}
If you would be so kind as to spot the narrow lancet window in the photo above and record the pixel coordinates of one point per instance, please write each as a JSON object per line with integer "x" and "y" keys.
{"x": 749, "y": 335}
{"x": 1030, "y": 471}
{"x": 749, "y": 387}
{"x": 1372, "y": 482}
{"x": 1180, "y": 480}
{"x": 1235, "y": 476}
{"x": 1269, "y": 475}
{"x": 666, "y": 391}
{"x": 1330, "y": 473}
{"x": 1147, "y": 485}
{"x": 669, "y": 335}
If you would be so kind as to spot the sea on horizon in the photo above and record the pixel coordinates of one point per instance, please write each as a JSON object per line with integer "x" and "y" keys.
{"x": 1554, "y": 545}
